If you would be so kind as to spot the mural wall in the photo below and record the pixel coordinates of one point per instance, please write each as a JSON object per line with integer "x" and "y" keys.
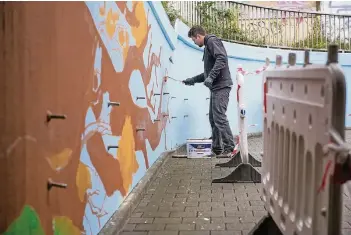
{"x": 101, "y": 67}
{"x": 87, "y": 106}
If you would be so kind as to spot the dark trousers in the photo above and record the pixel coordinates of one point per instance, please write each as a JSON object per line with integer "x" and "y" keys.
{"x": 222, "y": 136}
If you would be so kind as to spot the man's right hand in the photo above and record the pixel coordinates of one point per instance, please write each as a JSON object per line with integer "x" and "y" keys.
{"x": 187, "y": 82}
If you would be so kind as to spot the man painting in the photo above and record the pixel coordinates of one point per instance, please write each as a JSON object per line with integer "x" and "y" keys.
{"x": 217, "y": 78}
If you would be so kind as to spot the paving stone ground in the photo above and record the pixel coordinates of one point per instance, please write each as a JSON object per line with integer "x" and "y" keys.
{"x": 183, "y": 201}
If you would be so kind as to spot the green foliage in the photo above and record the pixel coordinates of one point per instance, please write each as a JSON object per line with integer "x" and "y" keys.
{"x": 172, "y": 13}
{"x": 225, "y": 23}
{"x": 316, "y": 38}
{"x": 221, "y": 22}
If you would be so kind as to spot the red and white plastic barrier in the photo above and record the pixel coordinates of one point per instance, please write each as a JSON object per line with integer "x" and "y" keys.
{"x": 241, "y": 114}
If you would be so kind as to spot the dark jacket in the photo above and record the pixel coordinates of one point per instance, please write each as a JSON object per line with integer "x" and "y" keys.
{"x": 215, "y": 64}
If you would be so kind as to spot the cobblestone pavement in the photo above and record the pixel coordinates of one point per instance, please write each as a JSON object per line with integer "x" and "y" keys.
{"x": 182, "y": 201}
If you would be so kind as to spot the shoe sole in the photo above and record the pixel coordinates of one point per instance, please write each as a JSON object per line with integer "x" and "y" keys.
{"x": 225, "y": 155}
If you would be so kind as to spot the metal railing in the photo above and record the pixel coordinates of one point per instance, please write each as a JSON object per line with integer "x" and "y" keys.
{"x": 261, "y": 26}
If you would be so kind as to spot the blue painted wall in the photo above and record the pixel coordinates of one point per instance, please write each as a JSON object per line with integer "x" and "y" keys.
{"x": 186, "y": 106}
{"x": 188, "y": 62}
{"x": 161, "y": 40}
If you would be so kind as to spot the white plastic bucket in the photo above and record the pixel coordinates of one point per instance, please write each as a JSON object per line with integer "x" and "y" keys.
{"x": 198, "y": 148}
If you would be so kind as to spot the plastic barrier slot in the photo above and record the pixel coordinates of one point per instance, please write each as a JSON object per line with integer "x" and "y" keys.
{"x": 303, "y": 105}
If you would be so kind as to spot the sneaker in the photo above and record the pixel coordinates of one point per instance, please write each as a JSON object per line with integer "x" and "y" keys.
{"x": 214, "y": 154}
{"x": 226, "y": 154}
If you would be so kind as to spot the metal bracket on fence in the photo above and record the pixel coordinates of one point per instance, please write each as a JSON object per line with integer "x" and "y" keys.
{"x": 186, "y": 99}
{"x": 140, "y": 98}
{"x": 156, "y": 120}
{"x": 165, "y": 93}
{"x": 186, "y": 115}
{"x": 157, "y": 94}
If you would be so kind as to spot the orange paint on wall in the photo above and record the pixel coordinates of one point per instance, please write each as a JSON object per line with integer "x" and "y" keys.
{"x": 123, "y": 38}
{"x": 64, "y": 226}
{"x": 140, "y": 31}
{"x": 60, "y": 59}
{"x": 106, "y": 166}
{"x": 60, "y": 160}
{"x": 102, "y": 9}
{"x": 111, "y": 23}
{"x": 83, "y": 180}
{"x": 126, "y": 153}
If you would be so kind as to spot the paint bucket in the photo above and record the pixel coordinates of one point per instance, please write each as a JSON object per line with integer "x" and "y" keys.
{"x": 198, "y": 148}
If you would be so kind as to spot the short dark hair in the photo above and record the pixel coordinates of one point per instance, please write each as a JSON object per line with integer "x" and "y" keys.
{"x": 195, "y": 30}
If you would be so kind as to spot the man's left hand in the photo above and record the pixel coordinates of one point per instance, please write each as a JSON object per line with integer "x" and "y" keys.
{"x": 208, "y": 82}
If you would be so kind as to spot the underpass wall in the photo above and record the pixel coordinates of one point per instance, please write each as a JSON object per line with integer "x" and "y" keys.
{"x": 188, "y": 62}
{"x": 102, "y": 67}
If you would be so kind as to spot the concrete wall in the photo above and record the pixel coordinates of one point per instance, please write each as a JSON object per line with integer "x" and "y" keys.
{"x": 73, "y": 58}
{"x": 188, "y": 62}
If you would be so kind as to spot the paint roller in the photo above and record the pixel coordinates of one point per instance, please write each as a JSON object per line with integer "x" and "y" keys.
{"x": 174, "y": 79}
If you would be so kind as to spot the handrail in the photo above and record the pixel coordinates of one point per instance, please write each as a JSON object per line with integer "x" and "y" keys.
{"x": 269, "y": 27}
{"x": 293, "y": 11}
